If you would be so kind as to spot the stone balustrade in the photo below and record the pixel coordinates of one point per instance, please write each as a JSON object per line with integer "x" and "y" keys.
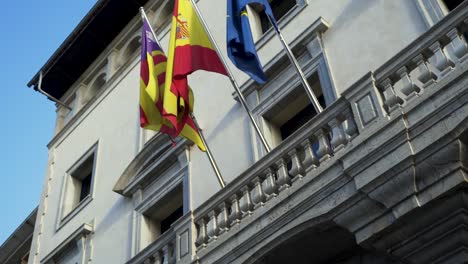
{"x": 366, "y": 105}
{"x": 427, "y": 60}
{"x": 161, "y": 251}
{"x": 305, "y": 150}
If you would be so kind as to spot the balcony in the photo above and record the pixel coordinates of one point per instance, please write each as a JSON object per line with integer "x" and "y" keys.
{"x": 393, "y": 143}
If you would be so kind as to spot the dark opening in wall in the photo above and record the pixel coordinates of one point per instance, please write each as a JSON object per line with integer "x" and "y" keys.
{"x": 452, "y": 4}
{"x": 279, "y": 8}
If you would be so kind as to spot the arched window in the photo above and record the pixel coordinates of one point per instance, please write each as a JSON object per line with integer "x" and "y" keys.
{"x": 129, "y": 50}
{"x": 95, "y": 85}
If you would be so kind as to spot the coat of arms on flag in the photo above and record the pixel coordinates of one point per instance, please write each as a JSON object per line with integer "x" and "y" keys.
{"x": 182, "y": 31}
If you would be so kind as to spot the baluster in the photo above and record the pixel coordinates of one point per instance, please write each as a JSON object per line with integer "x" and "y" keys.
{"x": 283, "y": 180}
{"x": 350, "y": 127}
{"x": 459, "y": 45}
{"x": 148, "y": 261}
{"x": 158, "y": 257}
{"x": 310, "y": 159}
{"x": 338, "y": 140}
{"x": 325, "y": 151}
{"x": 223, "y": 225}
{"x": 245, "y": 203}
{"x": 392, "y": 101}
{"x": 407, "y": 87}
{"x": 170, "y": 256}
{"x": 165, "y": 255}
{"x": 212, "y": 227}
{"x": 258, "y": 196}
{"x": 426, "y": 76}
{"x": 442, "y": 62}
{"x": 269, "y": 184}
{"x": 202, "y": 237}
{"x": 235, "y": 215}
{"x": 297, "y": 170}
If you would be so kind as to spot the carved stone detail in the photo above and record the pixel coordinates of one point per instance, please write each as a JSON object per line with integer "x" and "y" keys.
{"x": 222, "y": 218}
{"x": 202, "y": 237}
{"x": 258, "y": 196}
{"x": 426, "y": 76}
{"x": 407, "y": 87}
{"x": 310, "y": 159}
{"x": 297, "y": 170}
{"x": 212, "y": 227}
{"x": 283, "y": 179}
{"x": 324, "y": 151}
{"x": 245, "y": 202}
{"x": 269, "y": 184}
{"x": 392, "y": 101}
{"x": 235, "y": 215}
{"x": 442, "y": 62}
{"x": 459, "y": 45}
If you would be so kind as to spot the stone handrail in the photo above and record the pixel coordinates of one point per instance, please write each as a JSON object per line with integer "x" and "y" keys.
{"x": 305, "y": 150}
{"x": 160, "y": 251}
{"x": 426, "y": 60}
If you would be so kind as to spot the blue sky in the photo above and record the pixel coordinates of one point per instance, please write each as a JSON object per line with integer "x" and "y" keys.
{"x": 31, "y": 31}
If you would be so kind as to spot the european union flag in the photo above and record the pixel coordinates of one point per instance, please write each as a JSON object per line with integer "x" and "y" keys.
{"x": 240, "y": 45}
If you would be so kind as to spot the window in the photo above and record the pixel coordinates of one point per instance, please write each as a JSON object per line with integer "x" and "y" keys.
{"x": 452, "y": 4}
{"x": 293, "y": 111}
{"x": 81, "y": 178}
{"x": 434, "y": 10}
{"x": 79, "y": 184}
{"x": 158, "y": 219}
{"x": 279, "y": 7}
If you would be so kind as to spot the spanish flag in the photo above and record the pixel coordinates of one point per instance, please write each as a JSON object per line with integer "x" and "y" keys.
{"x": 152, "y": 81}
{"x": 190, "y": 49}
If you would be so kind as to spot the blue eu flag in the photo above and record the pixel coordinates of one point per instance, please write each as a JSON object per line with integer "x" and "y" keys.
{"x": 240, "y": 45}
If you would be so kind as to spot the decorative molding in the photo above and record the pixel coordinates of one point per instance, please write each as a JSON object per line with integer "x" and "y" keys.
{"x": 157, "y": 154}
{"x": 82, "y": 231}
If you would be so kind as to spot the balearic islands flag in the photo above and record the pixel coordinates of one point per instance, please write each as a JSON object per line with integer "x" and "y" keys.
{"x": 152, "y": 82}
{"x": 190, "y": 49}
{"x": 240, "y": 45}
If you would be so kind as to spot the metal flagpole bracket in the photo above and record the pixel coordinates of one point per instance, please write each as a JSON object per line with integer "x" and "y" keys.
{"x": 233, "y": 81}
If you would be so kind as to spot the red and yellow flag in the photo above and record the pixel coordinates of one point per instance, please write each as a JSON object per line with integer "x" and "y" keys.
{"x": 190, "y": 49}
{"x": 152, "y": 82}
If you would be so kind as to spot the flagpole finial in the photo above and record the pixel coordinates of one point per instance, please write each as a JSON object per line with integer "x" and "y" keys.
{"x": 142, "y": 12}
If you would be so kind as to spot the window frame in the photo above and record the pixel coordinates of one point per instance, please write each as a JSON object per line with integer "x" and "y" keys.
{"x": 65, "y": 213}
{"x": 156, "y": 198}
{"x": 432, "y": 11}
{"x": 157, "y": 171}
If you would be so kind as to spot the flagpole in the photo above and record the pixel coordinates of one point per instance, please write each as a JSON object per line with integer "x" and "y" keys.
{"x": 293, "y": 60}
{"x": 231, "y": 78}
{"x": 208, "y": 151}
{"x": 143, "y": 15}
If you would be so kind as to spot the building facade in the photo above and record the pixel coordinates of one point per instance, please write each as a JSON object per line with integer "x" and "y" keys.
{"x": 380, "y": 176}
